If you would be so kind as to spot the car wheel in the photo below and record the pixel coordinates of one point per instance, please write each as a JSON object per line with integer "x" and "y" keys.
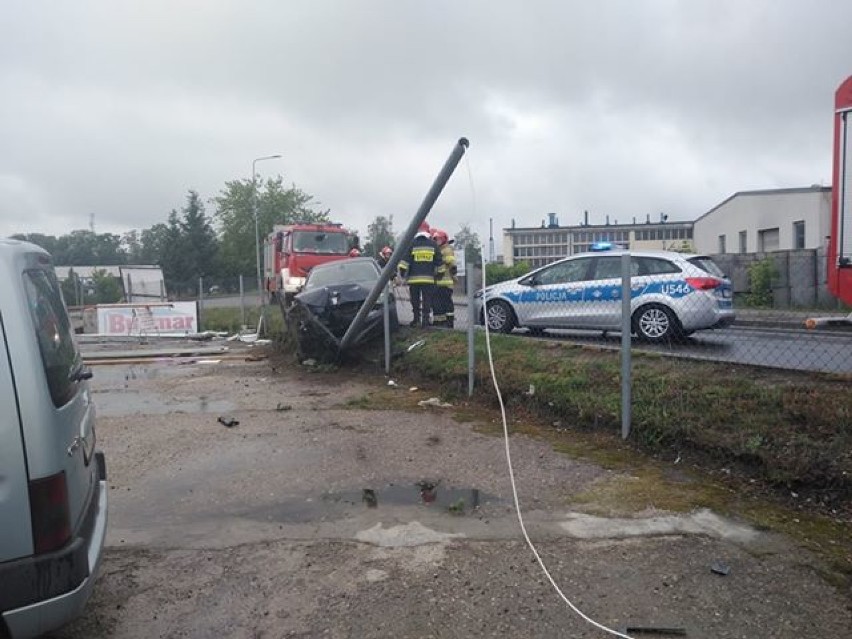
{"x": 656, "y": 323}
{"x": 501, "y": 318}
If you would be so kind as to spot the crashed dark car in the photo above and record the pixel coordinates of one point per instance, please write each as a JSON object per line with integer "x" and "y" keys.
{"x": 331, "y": 297}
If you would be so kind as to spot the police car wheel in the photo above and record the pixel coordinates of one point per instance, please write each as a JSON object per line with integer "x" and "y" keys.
{"x": 500, "y": 317}
{"x": 655, "y": 323}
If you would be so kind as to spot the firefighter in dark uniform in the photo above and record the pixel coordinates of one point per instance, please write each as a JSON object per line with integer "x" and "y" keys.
{"x": 442, "y": 302}
{"x": 418, "y": 267}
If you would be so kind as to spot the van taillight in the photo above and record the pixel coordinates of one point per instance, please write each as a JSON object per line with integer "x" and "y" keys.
{"x": 703, "y": 283}
{"x": 51, "y": 516}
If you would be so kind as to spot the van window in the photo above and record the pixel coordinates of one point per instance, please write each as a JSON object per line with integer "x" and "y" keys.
{"x": 53, "y": 331}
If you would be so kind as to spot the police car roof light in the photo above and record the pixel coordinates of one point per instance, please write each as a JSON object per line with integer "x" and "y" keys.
{"x": 601, "y": 246}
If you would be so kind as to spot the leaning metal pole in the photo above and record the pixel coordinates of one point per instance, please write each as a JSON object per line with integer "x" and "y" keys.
{"x": 405, "y": 243}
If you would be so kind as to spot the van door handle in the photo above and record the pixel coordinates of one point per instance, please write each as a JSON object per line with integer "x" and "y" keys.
{"x": 78, "y": 441}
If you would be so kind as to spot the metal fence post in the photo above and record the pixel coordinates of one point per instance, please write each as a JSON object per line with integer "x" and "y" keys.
{"x": 242, "y": 303}
{"x": 625, "y": 346}
{"x": 471, "y": 357}
{"x": 386, "y": 318}
{"x": 200, "y": 302}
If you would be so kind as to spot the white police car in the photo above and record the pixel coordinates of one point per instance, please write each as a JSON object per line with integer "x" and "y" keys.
{"x": 673, "y": 295}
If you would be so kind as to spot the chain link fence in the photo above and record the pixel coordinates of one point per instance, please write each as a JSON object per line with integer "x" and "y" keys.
{"x": 711, "y": 365}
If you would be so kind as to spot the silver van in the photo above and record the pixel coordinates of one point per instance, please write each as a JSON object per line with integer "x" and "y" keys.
{"x": 53, "y": 495}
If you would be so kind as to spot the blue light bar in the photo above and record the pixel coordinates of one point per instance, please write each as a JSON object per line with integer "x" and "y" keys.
{"x": 601, "y": 246}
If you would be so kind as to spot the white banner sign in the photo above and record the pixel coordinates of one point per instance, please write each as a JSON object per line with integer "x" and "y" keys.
{"x": 178, "y": 318}
{"x": 460, "y": 265}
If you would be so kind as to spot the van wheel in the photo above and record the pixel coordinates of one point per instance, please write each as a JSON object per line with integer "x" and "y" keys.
{"x": 500, "y": 317}
{"x": 656, "y": 323}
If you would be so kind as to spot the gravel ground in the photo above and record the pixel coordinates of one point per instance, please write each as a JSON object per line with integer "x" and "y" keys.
{"x": 265, "y": 529}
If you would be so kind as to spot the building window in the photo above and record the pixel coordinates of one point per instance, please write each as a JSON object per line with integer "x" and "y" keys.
{"x": 768, "y": 240}
{"x": 799, "y": 234}
{"x": 722, "y": 249}
{"x": 743, "y": 241}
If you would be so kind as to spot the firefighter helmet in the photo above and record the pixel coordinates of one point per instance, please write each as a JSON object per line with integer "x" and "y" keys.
{"x": 440, "y": 236}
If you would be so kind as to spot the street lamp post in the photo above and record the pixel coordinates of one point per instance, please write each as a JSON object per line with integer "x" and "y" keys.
{"x": 257, "y": 227}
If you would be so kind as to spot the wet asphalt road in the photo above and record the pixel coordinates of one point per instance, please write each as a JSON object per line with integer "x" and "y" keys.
{"x": 324, "y": 513}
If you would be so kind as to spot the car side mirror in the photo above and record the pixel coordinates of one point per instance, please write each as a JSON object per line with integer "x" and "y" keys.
{"x": 532, "y": 280}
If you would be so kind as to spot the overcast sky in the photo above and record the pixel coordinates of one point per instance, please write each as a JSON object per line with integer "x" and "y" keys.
{"x": 116, "y": 108}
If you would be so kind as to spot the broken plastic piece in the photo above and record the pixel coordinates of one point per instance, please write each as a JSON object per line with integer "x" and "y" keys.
{"x": 228, "y": 422}
{"x": 391, "y": 382}
{"x": 720, "y": 568}
{"x": 416, "y": 344}
{"x": 434, "y": 401}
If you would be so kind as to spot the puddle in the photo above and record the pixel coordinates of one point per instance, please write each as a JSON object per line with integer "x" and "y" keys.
{"x": 439, "y": 498}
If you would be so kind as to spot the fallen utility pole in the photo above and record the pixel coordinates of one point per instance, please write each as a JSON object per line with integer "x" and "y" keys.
{"x": 405, "y": 243}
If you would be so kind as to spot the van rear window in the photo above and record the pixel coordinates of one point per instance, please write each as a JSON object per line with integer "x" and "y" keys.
{"x": 53, "y": 331}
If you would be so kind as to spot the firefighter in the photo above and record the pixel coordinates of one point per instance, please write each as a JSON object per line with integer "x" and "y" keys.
{"x": 384, "y": 256}
{"x": 355, "y": 252}
{"x": 418, "y": 267}
{"x": 442, "y": 304}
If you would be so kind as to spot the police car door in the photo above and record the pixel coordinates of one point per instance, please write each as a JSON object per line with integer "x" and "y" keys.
{"x": 602, "y": 296}
{"x": 557, "y": 298}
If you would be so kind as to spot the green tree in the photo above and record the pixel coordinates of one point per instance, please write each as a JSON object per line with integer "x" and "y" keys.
{"x": 174, "y": 256}
{"x": 379, "y": 235}
{"x": 108, "y": 289}
{"x": 131, "y": 244}
{"x": 469, "y": 241}
{"x": 71, "y": 290}
{"x": 153, "y": 242}
{"x": 198, "y": 239}
{"x": 235, "y": 218}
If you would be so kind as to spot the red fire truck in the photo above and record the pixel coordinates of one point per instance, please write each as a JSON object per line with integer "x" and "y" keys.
{"x": 291, "y": 251}
{"x": 840, "y": 240}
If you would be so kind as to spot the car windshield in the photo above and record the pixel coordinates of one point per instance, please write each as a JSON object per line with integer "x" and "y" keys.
{"x": 342, "y": 272}
{"x": 707, "y": 265}
{"x": 320, "y": 242}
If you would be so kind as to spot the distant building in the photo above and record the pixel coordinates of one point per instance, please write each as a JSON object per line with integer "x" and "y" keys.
{"x": 542, "y": 245}
{"x": 765, "y": 221}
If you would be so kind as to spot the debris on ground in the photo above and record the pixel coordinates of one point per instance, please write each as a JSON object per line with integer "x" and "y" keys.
{"x": 654, "y": 630}
{"x": 228, "y": 422}
{"x": 434, "y": 401}
{"x": 391, "y": 383}
{"x": 720, "y": 568}
{"x": 309, "y": 362}
{"x": 417, "y": 344}
{"x": 413, "y": 389}
{"x": 256, "y": 358}
{"x": 282, "y": 407}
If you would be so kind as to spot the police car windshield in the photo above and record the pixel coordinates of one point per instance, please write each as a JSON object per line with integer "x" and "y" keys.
{"x": 320, "y": 242}
{"x": 342, "y": 272}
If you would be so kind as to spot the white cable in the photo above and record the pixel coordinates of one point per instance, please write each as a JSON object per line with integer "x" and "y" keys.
{"x": 538, "y": 558}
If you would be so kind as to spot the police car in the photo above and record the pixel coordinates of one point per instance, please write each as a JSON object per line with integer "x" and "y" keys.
{"x": 672, "y": 295}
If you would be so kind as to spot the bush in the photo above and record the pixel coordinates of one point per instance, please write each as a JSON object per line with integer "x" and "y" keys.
{"x": 500, "y": 273}
{"x": 760, "y": 276}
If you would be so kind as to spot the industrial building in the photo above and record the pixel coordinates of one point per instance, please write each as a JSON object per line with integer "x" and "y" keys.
{"x": 766, "y": 221}
{"x": 542, "y": 245}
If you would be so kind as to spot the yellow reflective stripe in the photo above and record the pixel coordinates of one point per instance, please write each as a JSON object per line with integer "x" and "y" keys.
{"x": 425, "y": 254}
{"x": 403, "y": 264}
{"x": 421, "y": 279}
